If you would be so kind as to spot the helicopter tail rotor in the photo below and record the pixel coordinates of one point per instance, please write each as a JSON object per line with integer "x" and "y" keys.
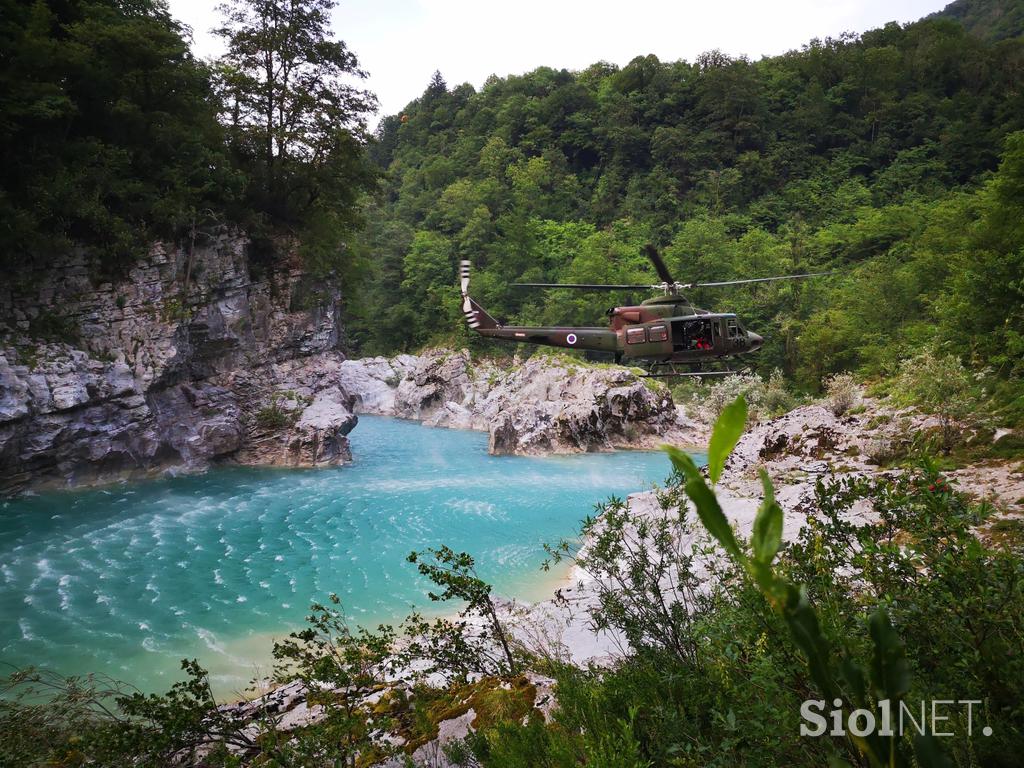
{"x": 476, "y": 316}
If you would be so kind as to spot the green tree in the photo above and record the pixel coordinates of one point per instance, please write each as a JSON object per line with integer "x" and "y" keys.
{"x": 294, "y": 122}
{"x": 109, "y": 135}
{"x": 984, "y": 304}
{"x": 429, "y": 284}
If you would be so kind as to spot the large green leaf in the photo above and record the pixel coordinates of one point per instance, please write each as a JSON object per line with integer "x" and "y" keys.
{"x": 710, "y": 513}
{"x": 890, "y": 673}
{"x": 682, "y": 462}
{"x": 724, "y": 436}
{"x": 767, "y": 536}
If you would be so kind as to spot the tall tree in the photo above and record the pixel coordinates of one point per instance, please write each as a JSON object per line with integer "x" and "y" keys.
{"x": 295, "y": 120}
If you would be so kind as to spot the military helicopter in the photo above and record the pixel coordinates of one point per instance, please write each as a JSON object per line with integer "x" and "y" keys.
{"x": 659, "y": 334}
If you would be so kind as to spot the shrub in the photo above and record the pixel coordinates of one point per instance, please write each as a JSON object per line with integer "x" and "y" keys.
{"x": 777, "y": 398}
{"x": 276, "y": 416}
{"x": 941, "y": 385}
{"x": 841, "y": 392}
{"x": 445, "y": 644}
{"x": 55, "y": 328}
{"x": 646, "y": 579}
{"x": 750, "y": 386}
{"x": 765, "y": 399}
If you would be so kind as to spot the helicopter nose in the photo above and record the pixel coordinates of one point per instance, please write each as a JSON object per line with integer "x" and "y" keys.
{"x": 754, "y": 340}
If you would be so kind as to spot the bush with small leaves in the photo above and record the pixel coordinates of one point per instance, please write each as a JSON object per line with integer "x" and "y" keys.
{"x": 941, "y": 385}
{"x": 765, "y": 399}
{"x": 841, "y": 392}
{"x": 453, "y": 647}
{"x": 777, "y": 398}
{"x": 645, "y": 571}
{"x": 340, "y": 668}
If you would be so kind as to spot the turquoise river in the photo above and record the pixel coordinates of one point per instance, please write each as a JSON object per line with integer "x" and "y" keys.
{"x": 130, "y": 579}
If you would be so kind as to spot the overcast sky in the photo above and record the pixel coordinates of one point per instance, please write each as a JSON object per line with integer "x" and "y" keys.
{"x": 401, "y": 42}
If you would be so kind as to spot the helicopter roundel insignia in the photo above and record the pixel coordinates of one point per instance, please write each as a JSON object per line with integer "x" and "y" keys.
{"x": 571, "y": 338}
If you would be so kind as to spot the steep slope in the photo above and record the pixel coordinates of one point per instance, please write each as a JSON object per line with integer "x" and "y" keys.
{"x": 990, "y": 20}
{"x": 863, "y": 155}
{"x": 187, "y": 360}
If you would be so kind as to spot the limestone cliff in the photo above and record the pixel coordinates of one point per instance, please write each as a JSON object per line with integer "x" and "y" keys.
{"x": 186, "y": 359}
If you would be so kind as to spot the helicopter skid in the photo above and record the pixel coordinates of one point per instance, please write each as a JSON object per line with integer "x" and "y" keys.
{"x": 674, "y": 374}
{"x": 668, "y": 370}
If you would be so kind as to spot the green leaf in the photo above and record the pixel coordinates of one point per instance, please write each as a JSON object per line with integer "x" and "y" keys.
{"x": 682, "y": 462}
{"x": 890, "y": 673}
{"x": 767, "y": 537}
{"x": 711, "y": 515}
{"x": 803, "y": 626}
{"x": 724, "y": 436}
{"x": 853, "y": 675}
{"x": 928, "y": 752}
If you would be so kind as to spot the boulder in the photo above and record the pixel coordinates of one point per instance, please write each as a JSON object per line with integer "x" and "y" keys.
{"x": 318, "y": 438}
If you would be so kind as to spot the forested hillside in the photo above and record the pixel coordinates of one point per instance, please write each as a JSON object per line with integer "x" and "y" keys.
{"x": 894, "y": 158}
{"x": 988, "y": 19}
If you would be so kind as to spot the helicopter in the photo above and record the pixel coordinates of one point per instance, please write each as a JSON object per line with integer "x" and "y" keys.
{"x": 660, "y": 334}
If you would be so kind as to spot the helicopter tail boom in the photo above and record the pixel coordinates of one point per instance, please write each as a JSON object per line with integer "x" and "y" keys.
{"x": 598, "y": 339}
{"x": 594, "y": 339}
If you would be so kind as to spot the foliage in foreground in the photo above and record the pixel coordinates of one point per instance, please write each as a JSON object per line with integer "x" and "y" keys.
{"x": 728, "y": 638}
{"x": 908, "y": 605}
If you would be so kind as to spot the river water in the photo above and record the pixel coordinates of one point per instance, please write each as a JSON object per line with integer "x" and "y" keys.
{"x": 128, "y": 580}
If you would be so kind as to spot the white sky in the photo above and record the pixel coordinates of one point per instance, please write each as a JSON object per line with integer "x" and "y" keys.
{"x": 401, "y": 42}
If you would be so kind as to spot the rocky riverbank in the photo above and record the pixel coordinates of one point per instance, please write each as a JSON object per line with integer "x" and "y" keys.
{"x": 192, "y": 359}
{"x": 544, "y": 405}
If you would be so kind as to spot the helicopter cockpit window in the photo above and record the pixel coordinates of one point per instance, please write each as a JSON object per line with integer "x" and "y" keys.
{"x": 657, "y": 333}
{"x": 636, "y": 335}
{"x": 734, "y": 328}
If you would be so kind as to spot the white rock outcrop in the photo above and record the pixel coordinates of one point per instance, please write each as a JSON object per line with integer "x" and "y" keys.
{"x": 544, "y": 405}
{"x": 106, "y": 380}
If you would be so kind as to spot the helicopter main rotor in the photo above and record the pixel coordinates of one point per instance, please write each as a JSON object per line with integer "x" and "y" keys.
{"x": 668, "y": 285}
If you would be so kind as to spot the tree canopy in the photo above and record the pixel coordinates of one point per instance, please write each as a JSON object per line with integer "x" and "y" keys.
{"x": 113, "y": 134}
{"x": 108, "y": 134}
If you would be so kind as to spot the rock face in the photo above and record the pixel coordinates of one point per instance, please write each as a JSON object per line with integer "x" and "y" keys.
{"x": 186, "y": 360}
{"x": 545, "y": 405}
{"x": 192, "y": 359}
